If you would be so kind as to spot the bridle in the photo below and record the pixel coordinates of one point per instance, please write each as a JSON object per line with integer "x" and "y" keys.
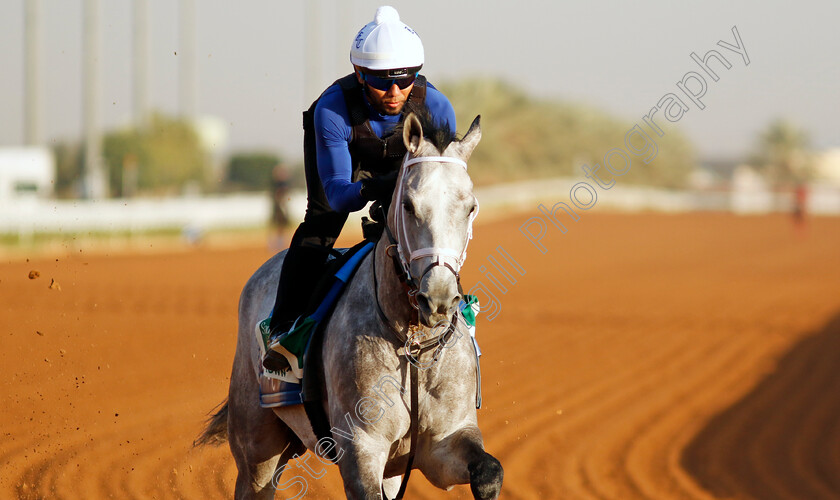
{"x": 449, "y": 258}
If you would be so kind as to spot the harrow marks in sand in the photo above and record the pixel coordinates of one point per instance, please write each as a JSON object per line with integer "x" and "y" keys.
{"x": 792, "y": 415}
{"x": 643, "y": 356}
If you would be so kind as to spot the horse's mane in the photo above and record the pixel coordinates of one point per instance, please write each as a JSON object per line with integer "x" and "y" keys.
{"x": 435, "y": 130}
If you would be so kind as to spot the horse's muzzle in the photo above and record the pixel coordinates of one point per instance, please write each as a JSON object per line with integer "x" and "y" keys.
{"x": 438, "y": 297}
{"x": 433, "y": 310}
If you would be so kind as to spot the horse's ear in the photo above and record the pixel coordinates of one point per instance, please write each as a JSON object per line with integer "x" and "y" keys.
{"x": 412, "y": 133}
{"x": 470, "y": 140}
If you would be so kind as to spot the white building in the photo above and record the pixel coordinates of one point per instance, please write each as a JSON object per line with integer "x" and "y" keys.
{"x": 26, "y": 173}
{"x": 827, "y": 166}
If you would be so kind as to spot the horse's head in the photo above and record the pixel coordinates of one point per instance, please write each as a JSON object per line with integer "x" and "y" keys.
{"x": 432, "y": 212}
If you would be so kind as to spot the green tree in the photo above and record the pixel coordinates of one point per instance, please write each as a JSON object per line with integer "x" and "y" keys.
{"x": 162, "y": 158}
{"x": 251, "y": 171}
{"x": 524, "y": 137}
{"x": 783, "y": 153}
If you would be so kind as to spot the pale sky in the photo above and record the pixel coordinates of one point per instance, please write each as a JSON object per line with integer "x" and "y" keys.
{"x": 619, "y": 56}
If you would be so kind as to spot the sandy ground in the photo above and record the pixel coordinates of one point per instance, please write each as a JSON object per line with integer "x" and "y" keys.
{"x": 642, "y": 356}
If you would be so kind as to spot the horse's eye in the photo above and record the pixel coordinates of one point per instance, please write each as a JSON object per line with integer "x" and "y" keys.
{"x": 408, "y": 207}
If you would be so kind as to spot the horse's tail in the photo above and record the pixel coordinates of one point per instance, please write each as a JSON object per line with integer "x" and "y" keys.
{"x": 216, "y": 431}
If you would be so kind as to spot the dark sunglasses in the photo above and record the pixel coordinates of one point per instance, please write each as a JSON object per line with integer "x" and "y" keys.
{"x": 386, "y": 83}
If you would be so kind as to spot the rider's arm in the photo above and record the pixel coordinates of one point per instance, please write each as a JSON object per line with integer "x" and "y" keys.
{"x": 335, "y": 167}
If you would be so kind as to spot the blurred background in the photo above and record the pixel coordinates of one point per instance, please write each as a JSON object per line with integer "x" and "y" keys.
{"x": 680, "y": 340}
{"x": 138, "y": 100}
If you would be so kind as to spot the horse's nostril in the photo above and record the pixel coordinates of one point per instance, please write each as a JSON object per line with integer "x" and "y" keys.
{"x": 432, "y": 305}
{"x": 423, "y": 301}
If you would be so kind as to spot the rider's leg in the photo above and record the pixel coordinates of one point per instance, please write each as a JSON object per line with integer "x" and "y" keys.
{"x": 297, "y": 282}
{"x": 299, "y": 276}
{"x": 306, "y": 256}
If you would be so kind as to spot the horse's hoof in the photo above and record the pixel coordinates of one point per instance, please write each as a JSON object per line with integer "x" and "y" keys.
{"x": 486, "y": 475}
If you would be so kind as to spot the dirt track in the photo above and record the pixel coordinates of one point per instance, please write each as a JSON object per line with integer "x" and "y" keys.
{"x": 643, "y": 356}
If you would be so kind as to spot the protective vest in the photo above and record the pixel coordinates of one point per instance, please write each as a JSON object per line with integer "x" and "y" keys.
{"x": 371, "y": 155}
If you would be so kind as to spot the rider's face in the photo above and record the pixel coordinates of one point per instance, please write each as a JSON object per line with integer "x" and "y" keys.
{"x": 387, "y": 102}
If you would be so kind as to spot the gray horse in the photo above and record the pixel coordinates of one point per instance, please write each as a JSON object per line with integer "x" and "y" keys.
{"x": 369, "y": 353}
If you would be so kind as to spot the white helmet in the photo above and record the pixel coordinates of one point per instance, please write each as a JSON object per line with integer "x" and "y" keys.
{"x": 387, "y": 43}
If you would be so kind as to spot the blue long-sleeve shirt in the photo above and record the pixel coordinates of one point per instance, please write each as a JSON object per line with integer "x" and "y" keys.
{"x": 332, "y": 139}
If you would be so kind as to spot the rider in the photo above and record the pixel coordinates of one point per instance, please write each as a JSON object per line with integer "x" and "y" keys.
{"x": 351, "y": 155}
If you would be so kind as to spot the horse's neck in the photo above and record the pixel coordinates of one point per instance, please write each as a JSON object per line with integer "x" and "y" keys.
{"x": 390, "y": 293}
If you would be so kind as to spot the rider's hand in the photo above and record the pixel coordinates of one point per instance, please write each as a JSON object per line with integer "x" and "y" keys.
{"x": 380, "y": 187}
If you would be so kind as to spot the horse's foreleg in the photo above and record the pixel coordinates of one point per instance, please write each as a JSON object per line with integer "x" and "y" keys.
{"x": 362, "y": 468}
{"x": 460, "y": 458}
